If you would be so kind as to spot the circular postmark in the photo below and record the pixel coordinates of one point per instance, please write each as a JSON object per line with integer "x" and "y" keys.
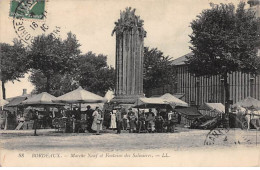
{"x": 29, "y": 20}
{"x": 226, "y": 136}
{"x": 217, "y": 135}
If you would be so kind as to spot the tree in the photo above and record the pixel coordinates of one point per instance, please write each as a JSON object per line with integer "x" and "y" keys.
{"x": 59, "y": 84}
{"x": 91, "y": 72}
{"x": 158, "y": 70}
{"x": 223, "y": 41}
{"x": 94, "y": 74}
{"x": 53, "y": 56}
{"x": 13, "y": 63}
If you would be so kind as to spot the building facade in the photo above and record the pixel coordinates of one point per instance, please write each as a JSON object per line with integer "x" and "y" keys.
{"x": 197, "y": 90}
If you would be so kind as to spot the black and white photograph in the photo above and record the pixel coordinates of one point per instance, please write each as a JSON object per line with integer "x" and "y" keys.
{"x": 129, "y": 83}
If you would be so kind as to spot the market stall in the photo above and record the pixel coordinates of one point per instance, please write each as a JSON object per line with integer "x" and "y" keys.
{"x": 187, "y": 115}
{"x": 212, "y": 109}
{"x": 45, "y": 115}
{"x": 78, "y": 96}
{"x": 174, "y": 101}
{"x": 211, "y": 116}
{"x": 153, "y": 102}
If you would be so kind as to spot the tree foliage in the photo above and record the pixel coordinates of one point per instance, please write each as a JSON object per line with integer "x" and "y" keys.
{"x": 59, "y": 83}
{"x": 223, "y": 41}
{"x": 13, "y": 63}
{"x": 158, "y": 70}
{"x": 91, "y": 72}
{"x": 94, "y": 74}
{"x": 53, "y": 56}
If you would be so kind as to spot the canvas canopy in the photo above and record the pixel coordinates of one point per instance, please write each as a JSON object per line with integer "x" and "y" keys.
{"x": 173, "y": 100}
{"x": 150, "y": 102}
{"x": 189, "y": 112}
{"x": 249, "y": 102}
{"x": 80, "y": 96}
{"x": 17, "y": 101}
{"x": 3, "y": 102}
{"x": 218, "y": 107}
{"x": 43, "y": 98}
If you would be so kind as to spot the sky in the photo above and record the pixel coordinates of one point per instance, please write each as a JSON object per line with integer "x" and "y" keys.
{"x": 167, "y": 23}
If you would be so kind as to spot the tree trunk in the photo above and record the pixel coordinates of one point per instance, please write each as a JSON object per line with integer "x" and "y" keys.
{"x": 227, "y": 96}
{"x": 3, "y": 90}
{"x": 48, "y": 84}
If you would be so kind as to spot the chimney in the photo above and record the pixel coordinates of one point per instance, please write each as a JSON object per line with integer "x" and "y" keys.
{"x": 24, "y": 91}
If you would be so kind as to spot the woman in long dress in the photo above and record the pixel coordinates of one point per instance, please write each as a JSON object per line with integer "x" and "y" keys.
{"x": 113, "y": 121}
{"x": 96, "y": 120}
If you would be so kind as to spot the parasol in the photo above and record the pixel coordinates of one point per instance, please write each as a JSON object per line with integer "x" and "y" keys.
{"x": 43, "y": 98}
{"x": 80, "y": 96}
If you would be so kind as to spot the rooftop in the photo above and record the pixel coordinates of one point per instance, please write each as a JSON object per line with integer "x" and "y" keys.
{"x": 181, "y": 60}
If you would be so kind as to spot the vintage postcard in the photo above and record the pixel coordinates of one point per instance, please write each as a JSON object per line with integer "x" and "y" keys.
{"x": 127, "y": 83}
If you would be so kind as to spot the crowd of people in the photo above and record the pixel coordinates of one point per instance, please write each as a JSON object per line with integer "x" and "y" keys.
{"x": 134, "y": 122}
{"x": 143, "y": 122}
{"x": 127, "y": 120}
{"x": 94, "y": 121}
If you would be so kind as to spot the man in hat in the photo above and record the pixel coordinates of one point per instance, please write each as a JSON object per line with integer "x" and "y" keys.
{"x": 132, "y": 120}
{"x": 119, "y": 120}
{"x": 125, "y": 118}
{"x": 141, "y": 122}
{"x": 89, "y": 116}
{"x": 150, "y": 118}
{"x": 159, "y": 122}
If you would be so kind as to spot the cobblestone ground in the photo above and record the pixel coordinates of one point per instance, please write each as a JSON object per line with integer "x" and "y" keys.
{"x": 183, "y": 139}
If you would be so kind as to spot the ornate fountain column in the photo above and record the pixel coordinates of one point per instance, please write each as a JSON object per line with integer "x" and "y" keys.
{"x": 129, "y": 57}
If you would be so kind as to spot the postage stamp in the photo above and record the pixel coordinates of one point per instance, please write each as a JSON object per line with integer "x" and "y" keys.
{"x": 29, "y": 20}
{"x": 30, "y": 9}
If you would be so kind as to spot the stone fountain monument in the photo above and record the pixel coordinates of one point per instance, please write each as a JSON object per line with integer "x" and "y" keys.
{"x": 130, "y": 36}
